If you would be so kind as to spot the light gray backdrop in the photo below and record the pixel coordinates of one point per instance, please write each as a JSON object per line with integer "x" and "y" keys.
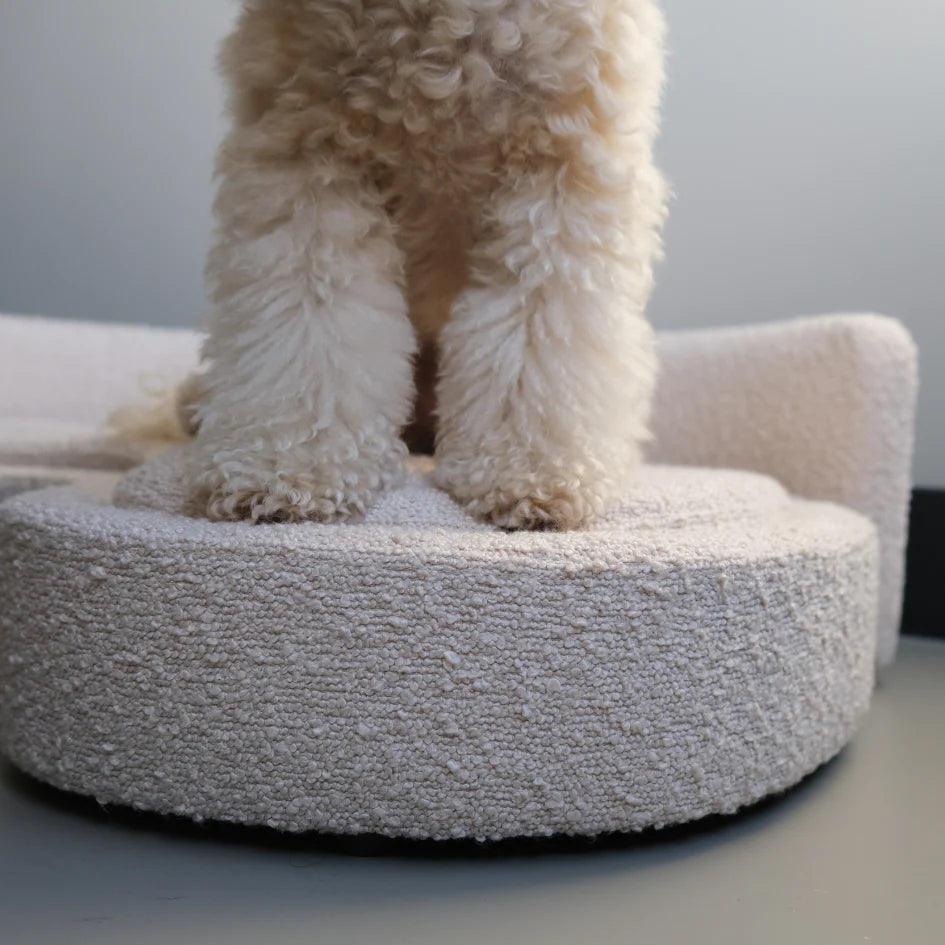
{"x": 805, "y": 143}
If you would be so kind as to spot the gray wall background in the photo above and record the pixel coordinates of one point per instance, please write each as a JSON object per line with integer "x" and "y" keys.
{"x": 805, "y": 143}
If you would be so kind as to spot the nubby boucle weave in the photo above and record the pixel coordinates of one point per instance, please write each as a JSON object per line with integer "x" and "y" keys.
{"x": 420, "y": 674}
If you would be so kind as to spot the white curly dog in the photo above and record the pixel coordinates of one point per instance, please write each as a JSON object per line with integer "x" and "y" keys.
{"x": 476, "y": 174}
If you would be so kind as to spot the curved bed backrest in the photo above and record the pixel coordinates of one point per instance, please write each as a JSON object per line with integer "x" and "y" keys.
{"x": 53, "y": 369}
{"x": 826, "y": 405}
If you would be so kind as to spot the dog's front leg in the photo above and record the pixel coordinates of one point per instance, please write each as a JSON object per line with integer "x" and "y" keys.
{"x": 547, "y": 362}
{"x": 309, "y": 379}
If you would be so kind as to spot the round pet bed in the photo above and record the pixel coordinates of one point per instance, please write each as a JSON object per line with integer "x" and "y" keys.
{"x": 420, "y": 674}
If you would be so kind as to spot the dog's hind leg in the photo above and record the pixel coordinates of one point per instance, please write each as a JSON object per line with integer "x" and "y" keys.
{"x": 548, "y": 364}
{"x": 308, "y": 378}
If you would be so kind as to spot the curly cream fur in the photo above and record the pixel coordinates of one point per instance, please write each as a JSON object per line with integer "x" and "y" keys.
{"x": 478, "y": 172}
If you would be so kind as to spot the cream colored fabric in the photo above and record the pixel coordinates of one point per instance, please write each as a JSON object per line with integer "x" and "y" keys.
{"x": 65, "y": 444}
{"x": 82, "y": 371}
{"x": 423, "y": 675}
{"x": 824, "y": 405}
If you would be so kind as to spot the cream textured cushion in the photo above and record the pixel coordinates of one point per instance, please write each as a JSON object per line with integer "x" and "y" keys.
{"x": 419, "y": 674}
{"x": 825, "y": 405}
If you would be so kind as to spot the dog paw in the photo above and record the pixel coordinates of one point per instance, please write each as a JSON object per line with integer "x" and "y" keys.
{"x": 279, "y": 500}
{"x": 537, "y": 511}
{"x": 243, "y": 485}
{"x": 526, "y": 502}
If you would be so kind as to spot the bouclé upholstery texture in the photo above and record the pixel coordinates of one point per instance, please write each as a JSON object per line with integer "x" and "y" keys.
{"x": 826, "y": 405}
{"x": 419, "y": 673}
